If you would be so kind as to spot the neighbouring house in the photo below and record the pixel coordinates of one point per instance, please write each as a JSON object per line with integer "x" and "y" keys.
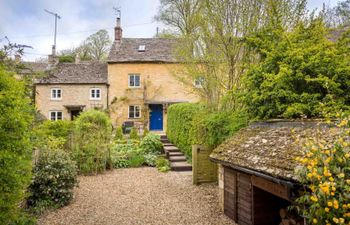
{"x": 142, "y": 83}
{"x": 257, "y": 178}
{"x": 70, "y": 88}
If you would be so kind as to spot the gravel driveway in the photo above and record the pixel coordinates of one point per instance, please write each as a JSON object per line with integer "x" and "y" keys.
{"x": 140, "y": 196}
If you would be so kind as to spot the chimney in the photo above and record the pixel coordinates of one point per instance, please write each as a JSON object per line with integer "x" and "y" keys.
{"x": 118, "y": 31}
{"x": 77, "y": 58}
{"x": 17, "y": 58}
{"x": 53, "y": 59}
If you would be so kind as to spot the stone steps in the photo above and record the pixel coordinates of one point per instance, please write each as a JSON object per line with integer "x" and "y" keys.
{"x": 178, "y": 161}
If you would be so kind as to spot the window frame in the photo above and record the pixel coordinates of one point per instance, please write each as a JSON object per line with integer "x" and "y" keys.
{"x": 134, "y": 75}
{"x": 200, "y": 81}
{"x": 56, "y": 91}
{"x": 134, "y": 113}
{"x": 56, "y": 115}
{"x": 95, "y": 89}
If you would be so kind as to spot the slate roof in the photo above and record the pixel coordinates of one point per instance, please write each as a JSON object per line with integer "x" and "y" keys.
{"x": 33, "y": 67}
{"x": 270, "y": 148}
{"x": 156, "y": 50}
{"x": 71, "y": 73}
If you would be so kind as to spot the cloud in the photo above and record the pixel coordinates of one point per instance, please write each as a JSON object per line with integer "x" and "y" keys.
{"x": 27, "y": 22}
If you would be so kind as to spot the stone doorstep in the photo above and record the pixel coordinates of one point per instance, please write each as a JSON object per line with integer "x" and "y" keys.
{"x": 177, "y": 159}
{"x": 171, "y": 149}
{"x": 168, "y": 144}
{"x": 170, "y": 154}
{"x": 180, "y": 166}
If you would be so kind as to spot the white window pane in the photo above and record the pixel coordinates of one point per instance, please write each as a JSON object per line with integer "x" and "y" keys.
{"x": 132, "y": 81}
{"x": 97, "y": 93}
{"x": 52, "y": 115}
{"x": 131, "y": 111}
{"x": 59, "y": 116}
{"x": 137, "y": 81}
{"x": 58, "y": 93}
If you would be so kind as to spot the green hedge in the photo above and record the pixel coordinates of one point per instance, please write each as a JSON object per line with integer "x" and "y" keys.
{"x": 180, "y": 117}
{"x": 190, "y": 124}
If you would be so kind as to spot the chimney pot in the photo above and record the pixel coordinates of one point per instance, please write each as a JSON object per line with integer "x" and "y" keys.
{"x": 118, "y": 31}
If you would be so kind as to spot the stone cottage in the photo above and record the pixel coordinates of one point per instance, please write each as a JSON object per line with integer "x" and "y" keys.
{"x": 257, "y": 178}
{"x": 70, "y": 88}
{"x": 142, "y": 85}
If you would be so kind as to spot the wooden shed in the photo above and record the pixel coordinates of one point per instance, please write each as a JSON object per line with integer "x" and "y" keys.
{"x": 257, "y": 180}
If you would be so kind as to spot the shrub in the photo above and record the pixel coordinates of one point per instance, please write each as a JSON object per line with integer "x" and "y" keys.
{"x": 134, "y": 134}
{"x": 163, "y": 164}
{"x": 151, "y": 144}
{"x": 118, "y": 134}
{"x": 326, "y": 174}
{"x": 16, "y": 116}
{"x": 151, "y": 159}
{"x": 55, "y": 176}
{"x": 136, "y": 159}
{"x": 180, "y": 117}
{"x": 92, "y": 133}
{"x": 145, "y": 132}
{"x": 66, "y": 59}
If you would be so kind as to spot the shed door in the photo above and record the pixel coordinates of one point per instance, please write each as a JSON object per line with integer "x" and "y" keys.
{"x": 244, "y": 199}
{"x": 230, "y": 203}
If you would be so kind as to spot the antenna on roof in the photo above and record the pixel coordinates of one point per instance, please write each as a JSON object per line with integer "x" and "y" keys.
{"x": 117, "y": 12}
{"x": 54, "y": 42}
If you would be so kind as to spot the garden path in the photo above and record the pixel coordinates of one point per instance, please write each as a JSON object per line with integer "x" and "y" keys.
{"x": 140, "y": 196}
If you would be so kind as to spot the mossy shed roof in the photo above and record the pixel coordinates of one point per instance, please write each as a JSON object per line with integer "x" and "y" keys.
{"x": 270, "y": 147}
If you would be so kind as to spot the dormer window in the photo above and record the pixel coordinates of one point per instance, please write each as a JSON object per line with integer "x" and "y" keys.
{"x": 142, "y": 48}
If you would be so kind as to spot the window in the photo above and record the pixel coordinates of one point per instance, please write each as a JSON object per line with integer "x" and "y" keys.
{"x": 134, "y": 111}
{"x": 134, "y": 80}
{"x": 95, "y": 94}
{"x": 142, "y": 48}
{"x": 56, "y": 93}
{"x": 198, "y": 82}
{"x": 56, "y": 115}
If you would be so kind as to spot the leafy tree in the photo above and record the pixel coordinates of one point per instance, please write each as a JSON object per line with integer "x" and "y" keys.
{"x": 98, "y": 44}
{"x": 339, "y": 15}
{"x": 16, "y": 116}
{"x": 302, "y": 74}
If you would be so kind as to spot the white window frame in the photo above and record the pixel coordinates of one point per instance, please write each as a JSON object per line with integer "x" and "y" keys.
{"x": 94, "y": 90}
{"x": 134, "y": 75}
{"x": 134, "y": 116}
{"x": 54, "y": 96}
{"x": 56, "y": 115}
{"x": 141, "y": 48}
{"x": 198, "y": 82}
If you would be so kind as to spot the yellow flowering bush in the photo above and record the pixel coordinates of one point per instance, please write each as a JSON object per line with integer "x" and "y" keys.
{"x": 325, "y": 172}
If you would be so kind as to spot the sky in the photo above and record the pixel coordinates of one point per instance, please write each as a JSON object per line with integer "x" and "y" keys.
{"x": 26, "y": 22}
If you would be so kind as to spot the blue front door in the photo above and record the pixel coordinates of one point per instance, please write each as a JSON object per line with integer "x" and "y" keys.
{"x": 156, "y": 117}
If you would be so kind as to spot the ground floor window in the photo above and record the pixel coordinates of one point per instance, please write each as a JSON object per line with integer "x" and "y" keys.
{"x": 56, "y": 115}
{"x": 95, "y": 94}
{"x": 134, "y": 111}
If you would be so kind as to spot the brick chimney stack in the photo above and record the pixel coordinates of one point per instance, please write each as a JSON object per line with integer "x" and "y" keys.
{"x": 118, "y": 31}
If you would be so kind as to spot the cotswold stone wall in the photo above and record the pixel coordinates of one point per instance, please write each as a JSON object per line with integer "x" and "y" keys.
{"x": 72, "y": 94}
{"x": 158, "y": 85}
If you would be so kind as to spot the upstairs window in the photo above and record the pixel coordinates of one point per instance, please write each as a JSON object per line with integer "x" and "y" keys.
{"x": 56, "y": 115}
{"x": 56, "y": 94}
{"x": 134, "y": 112}
{"x": 95, "y": 94}
{"x": 142, "y": 48}
{"x": 134, "y": 80}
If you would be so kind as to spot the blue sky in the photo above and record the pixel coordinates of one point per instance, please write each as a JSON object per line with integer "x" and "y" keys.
{"x": 26, "y": 22}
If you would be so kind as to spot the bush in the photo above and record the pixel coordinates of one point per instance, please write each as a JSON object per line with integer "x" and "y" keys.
{"x": 118, "y": 134}
{"x": 55, "y": 176}
{"x": 151, "y": 159}
{"x": 134, "y": 134}
{"x": 16, "y": 116}
{"x": 151, "y": 144}
{"x": 92, "y": 134}
{"x": 325, "y": 172}
{"x": 163, "y": 164}
{"x": 66, "y": 59}
{"x": 136, "y": 159}
{"x": 180, "y": 117}
{"x": 145, "y": 132}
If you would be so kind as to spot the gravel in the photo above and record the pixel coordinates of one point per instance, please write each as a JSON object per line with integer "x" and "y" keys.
{"x": 140, "y": 196}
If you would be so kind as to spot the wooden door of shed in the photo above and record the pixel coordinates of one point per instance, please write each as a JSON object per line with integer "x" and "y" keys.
{"x": 230, "y": 194}
{"x": 244, "y": 199}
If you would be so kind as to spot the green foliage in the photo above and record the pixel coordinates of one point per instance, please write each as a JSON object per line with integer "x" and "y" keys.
{"x": 66, "y": 59}
{"x": 151, "y": 159}
{"x": 16, "y": 116}
{"x": 162, "y": 164}
{"x": 134, "y": 134}
{"x": 118, "y": 134}
{"x": 151, "y": 144}
{"x": 136, "y": 159}
{"x": 190, "y": 124}
{"x": 92, "y": 134}
{"x": 325, "y": 171}
{"x": 55, "y": 176}
{"x": 302, "y": 74}
{"x": 180, "y": 117}
{"x": 145, "y": 132}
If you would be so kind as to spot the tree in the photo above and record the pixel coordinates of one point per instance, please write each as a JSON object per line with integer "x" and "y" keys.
{"x": 338, "y": 16}
{"x": 98, "y": 45}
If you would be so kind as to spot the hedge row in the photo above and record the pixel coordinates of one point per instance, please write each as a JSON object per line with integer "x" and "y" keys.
{"x": 190, "y": 124}
{"x": 179, "y": 121}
